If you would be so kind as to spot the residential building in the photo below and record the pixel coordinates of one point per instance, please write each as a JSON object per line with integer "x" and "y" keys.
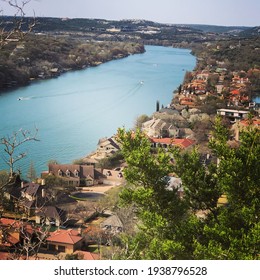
{"x": 74, "y": 174}
{"x": 113, "y": 176}
{"x": 65, "y": 241}
{"x": 112, "y": 225}
{"x": 233, "y": 115}
{"x": 33, "y": 196}
{"x": 108, "y": 146}
{"x": 167, "y": 142}
{"x": 243, "y": 124}
{"x": 159, "y": 128}
{"x": 50, "y": 215}
{"x": 13, "y": 232}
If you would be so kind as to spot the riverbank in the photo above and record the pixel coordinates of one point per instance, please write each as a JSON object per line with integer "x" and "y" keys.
{"x": 75, "y": 110}
{"x": 208, "y": 88}
{"x": 41, "y": 57}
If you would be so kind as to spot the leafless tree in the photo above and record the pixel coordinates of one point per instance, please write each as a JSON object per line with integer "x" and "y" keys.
{"x": 16, "y": 30}
{"x": 31, "y": 241}
{"x": 12, "y": 143}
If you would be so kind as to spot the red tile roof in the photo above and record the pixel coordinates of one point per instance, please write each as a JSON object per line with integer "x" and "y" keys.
{"x": 167, "y": 141}
{"x": 182, "y": 143}
{"x": 255, "y": 122}
{"x": 16, "y": 224}
{"x": 235, "y": 91}
{"x": 8, "y": 222}
{"x": 4, "y": 256}
{"x": 69, "y": 236}
{"x": 88, "y": 256}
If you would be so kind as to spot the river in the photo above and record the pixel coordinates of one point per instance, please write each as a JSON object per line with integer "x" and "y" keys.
{"x": 75, "y": 110}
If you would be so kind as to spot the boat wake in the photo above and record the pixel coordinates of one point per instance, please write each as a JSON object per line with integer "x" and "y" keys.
{"x": 23, "y": 98}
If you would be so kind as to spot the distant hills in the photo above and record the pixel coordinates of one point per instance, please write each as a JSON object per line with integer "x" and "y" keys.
{"x": 219, "y": 29}
{"x": 47, "y": 24}
{"x": 251, "y": 32}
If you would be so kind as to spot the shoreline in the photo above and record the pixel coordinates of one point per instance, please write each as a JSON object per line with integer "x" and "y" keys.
{"x": 78, "y": 56}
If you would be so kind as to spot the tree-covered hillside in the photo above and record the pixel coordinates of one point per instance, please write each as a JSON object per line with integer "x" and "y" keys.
{"x": 41, "y": 57}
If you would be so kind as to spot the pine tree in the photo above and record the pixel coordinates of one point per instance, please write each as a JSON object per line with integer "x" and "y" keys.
{"x": 31, "y": 174}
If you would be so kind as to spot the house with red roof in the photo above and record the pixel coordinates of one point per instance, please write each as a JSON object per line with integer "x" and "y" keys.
{"x": 12, "y": 233}
{"x": 167, "y": 142}
{"x": 64, "y": 241}
{"x": 243, "y": 124}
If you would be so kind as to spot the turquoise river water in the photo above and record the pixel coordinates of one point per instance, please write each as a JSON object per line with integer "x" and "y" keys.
{"x": 75, "y": 110}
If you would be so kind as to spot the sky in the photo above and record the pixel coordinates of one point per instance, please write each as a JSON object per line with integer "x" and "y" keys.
{"x": 212, "y": 12}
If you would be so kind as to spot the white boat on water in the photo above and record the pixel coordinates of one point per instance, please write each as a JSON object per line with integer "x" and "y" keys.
{"x": 23, "y": 98}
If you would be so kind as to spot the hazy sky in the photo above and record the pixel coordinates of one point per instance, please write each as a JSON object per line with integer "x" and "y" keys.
{"x": 214, "y": 12}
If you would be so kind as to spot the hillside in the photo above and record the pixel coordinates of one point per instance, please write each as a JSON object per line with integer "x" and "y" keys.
{"x": 42, "y": 57}
{"x": 134, "y": 30}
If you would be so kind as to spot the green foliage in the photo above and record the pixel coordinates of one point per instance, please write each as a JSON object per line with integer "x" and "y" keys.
{"x": 200, "y": 184}
{"x": 55, "y": 182}
{"x": 170, "y": 227}
{"x": 156, "y": 206}
{"x": 111, "y": 162}
{"x": 4, "y": 178}
{"x": 40, "y": 56}
{"x": 31, "y": 174}
{"x": 140, "y": 120}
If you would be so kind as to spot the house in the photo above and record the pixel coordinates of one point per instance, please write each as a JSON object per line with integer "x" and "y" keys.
{"x": 113, "y": 177}
{"x": 74, "y": 174}
{"x": 32, "y": 197}
{"x": 112, "y": 225}
{"x": 13, "y": 232}
{"x": 9, "y": 233}
{"x": 233, "y": 115}
{"x": 65, "y": 241}
{"x": 50, "y": 215}
{"x": 167, "y": 142}
{"x": 243, "y": 124}
{"x": 186, "y": 101}
{"x": 108, "y": 146}
{"x": 159, "y": 128}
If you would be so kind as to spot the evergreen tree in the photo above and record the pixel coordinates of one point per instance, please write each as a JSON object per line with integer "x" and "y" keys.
{"x": 31, "y": 174}
{"x": 195, "y": 226}
{"x": 157, "y": 106}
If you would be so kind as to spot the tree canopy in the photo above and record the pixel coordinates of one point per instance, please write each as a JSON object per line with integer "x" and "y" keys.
{"x": 195, "y": 225}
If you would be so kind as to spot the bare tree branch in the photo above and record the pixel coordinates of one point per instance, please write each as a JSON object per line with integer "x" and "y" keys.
{"x": 17, "y": 31}
{"x": 11, "y": 143}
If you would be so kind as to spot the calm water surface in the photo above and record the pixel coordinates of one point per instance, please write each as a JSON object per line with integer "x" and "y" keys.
{"x": 75, "y": 110}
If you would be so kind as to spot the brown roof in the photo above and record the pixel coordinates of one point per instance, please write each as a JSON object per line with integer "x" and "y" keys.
{"x": 31, "y": 188}
{"x": 52, "y": 212}
{"x": 83, "y": 170}
{"x": 69, "y": 236}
